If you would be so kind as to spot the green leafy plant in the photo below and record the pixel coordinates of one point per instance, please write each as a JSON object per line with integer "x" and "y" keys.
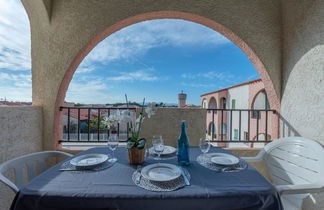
{"x": 135, "y": 141}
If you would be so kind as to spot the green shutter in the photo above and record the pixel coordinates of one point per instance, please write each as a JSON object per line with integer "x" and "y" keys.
{"x": 233, "y": 103}
{"x": 235, "y": 134}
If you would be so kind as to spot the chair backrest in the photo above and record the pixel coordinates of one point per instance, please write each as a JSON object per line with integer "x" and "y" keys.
{"x": 30, "y": 162}
{"x": 295, "y": 160}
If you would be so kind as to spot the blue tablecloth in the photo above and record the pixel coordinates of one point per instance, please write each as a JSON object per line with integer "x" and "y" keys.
{"x": 113, "y": 188}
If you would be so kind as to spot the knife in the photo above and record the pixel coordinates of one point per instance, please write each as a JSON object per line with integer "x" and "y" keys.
{"x": 68, "y": 169}
{"x": 184, "y": 176}
{"x": 138, "y": 178}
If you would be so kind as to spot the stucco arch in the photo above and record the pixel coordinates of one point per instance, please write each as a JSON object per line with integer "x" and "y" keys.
{"x": 151, "y": 16}
{"x": 204, "y": 103}
{"x": 223, "y": 103}
{"x": 212, "y": 103}
{"x": 42, "y": 9}
{"x": 288, "y": 58}
{"x": 256, "y": 95}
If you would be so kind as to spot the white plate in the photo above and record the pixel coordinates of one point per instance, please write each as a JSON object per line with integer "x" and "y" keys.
{"x": 89, "y": 160}
{"x": 161, "y": 172}
{"x": 224, "y": 159}
{"x": 168, "y": 150}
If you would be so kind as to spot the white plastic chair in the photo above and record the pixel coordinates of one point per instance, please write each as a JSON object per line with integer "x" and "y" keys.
{"x": 29, "y": 161}
{"x": 296, "y": 167}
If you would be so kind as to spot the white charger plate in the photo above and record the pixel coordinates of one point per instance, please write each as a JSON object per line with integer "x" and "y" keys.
{"x": 224, "y": 159}
{"x": 161, "y": 172}
{"x": 89, "y": 160}
{"x": 168, "y": 150}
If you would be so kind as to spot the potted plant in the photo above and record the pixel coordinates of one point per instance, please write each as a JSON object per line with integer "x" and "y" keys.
{"x": 135, "y": 143}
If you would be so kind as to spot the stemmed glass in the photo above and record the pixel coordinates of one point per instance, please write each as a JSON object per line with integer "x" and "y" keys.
{"x": 112, "y": 145}
{"x": 204, "y": 145}
{"x": 158, "y": 145}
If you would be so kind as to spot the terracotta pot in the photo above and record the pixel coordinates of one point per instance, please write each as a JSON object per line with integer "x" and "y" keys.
{"x": 136, "y": 156}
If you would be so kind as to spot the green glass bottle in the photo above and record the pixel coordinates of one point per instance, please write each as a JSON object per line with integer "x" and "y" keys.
{"x": 183, "y": 146}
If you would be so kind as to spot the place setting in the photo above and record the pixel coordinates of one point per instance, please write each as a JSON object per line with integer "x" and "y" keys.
{"x": 220, "y": 162}
{"x": 161, "y": 177}
{"x": 156, "y": 153}
{"x": 93, "y": 161}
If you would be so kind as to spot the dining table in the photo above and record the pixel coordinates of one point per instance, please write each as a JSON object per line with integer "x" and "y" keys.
{"x": 114, "y": 188}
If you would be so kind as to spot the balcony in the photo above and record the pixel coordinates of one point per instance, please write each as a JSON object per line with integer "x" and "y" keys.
{"x": 283, "y": 39}
{"x": 80, "y": 139}
{"x": 246, "y": 127}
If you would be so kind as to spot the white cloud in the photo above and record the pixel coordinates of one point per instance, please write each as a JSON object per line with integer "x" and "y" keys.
{"x": 14, "y": 52}
{"x": 15, "y": 87}
{"x": 211, "y": 75}
{"x": 200, "y": 85}
{"x": 80, "y": 86}
{"x": 90, "y": 90}
{"x": 14, "y": 93}
{"x": 140, "y": 75}
{"x": 14, "y": 36}
{"x": 253, "y": 77}
{"x": 15, "y": 77}
{"x": 86, "y": 69}
{"x": 135, "y": 40}
{"x": 181, "y": 32}
{"x": 87, "y": 90}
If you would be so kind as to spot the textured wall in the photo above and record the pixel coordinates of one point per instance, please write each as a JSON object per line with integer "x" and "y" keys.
{"x": 166, "y": 122}
{"x": 20, "y": 134}
{"x": 302, "y": 105}
{"x": 74, "y": 23}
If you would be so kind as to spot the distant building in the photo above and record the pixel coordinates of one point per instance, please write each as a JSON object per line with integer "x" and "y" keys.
{"x": 14, "y": 103}
{"x": 182, "y": 97}
{"x": 80, "y": 115}
{"x": 249, "y": 95}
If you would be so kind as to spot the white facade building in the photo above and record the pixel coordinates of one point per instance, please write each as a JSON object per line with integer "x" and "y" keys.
{"x": 238, "y": 98}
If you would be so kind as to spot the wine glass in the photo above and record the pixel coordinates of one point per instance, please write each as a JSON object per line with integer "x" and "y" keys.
{"x": 112, "y": 145}
{"x": 158, "y": 145}
{"x": 204, "y": 145}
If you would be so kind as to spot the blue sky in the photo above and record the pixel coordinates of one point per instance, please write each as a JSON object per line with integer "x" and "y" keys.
{"x": 152, "y": 59}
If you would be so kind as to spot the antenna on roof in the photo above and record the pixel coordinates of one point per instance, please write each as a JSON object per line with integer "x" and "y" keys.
{"x": 126, "y": 100}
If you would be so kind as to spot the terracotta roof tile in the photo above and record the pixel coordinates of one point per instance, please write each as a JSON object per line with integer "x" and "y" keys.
{"x": 245, "y": 83}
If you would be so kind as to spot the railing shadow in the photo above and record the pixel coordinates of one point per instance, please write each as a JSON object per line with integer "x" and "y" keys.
{"x": 286, "y": 129}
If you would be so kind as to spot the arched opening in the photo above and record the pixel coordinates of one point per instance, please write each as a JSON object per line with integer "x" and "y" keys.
{"x": 223, "y": 103}
{"x": 212, "y": 103}
{"x": 211, "y": 129}
{"x": 260, "y": 102}
{"x": 150, "y": 16}
{"x": 260, "y": 137}
{"x": 204, "y": 104}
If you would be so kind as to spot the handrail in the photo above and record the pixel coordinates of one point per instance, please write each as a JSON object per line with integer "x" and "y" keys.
{"x": 83, "y": 128}
{"x": 246, "y": 124}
